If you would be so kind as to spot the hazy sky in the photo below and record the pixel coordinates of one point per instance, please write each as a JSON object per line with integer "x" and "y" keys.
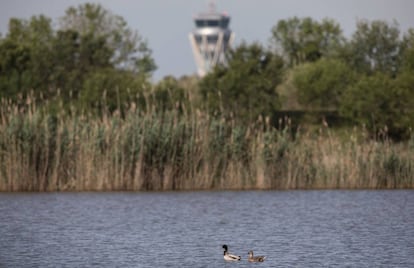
{"x": 165, "y": 24}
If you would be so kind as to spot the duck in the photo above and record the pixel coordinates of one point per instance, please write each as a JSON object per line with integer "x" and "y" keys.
{"x": 255, "y": 258}
{"x": 230, "y": 257}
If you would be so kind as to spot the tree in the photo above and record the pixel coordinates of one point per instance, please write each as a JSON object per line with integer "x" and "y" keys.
{"x": 101, "y": 55}
{"x": 404, "y": 102}
{"x": 93, "y": 51}
{"x": 246, "y": 87}
{"x": 375, "y": 47}
{"x": 381, "y": 103}
{"x": 130, "y": 51}
{"x": 111, "y": 89}
{"x": 41, "y": 36}
{"x": 75, "y": 58}
{"x": 407, "y": 51}
{"x": 169, "y": 95}
{"x": 67, "y": 74}
{"x": 24, "y": 56}
{"x": 321, "y": 84}
{"x": 306, "y": 40}
{"x": 14, "y": 61}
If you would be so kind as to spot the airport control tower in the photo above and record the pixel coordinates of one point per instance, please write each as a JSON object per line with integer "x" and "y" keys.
{"x": 210, "y": 39}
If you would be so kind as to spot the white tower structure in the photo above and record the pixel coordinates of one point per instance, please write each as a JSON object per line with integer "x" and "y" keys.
{"x": 210, "y": 39}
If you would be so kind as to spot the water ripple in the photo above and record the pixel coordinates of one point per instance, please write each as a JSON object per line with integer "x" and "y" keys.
{"x": 292, "y": 228}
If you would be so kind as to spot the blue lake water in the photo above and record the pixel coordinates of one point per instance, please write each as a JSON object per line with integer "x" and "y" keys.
{"x": 187, "y": 229}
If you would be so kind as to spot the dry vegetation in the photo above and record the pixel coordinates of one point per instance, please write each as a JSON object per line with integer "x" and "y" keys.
{"x": 143, "y": 151}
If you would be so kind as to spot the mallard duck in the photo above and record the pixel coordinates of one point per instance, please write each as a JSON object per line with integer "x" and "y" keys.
{"x": 228, "y": 256}
{"x": 255, "y": 258}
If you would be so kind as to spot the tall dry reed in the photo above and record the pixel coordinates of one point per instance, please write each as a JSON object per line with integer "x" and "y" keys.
{"x": 147, "y": 150}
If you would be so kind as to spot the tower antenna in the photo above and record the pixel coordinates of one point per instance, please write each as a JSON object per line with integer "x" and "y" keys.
{"x": 212, "y": 6}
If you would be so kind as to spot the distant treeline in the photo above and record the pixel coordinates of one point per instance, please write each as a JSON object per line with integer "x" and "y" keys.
{"x": 366, "y": 79}
{"x": 315, "y": 110}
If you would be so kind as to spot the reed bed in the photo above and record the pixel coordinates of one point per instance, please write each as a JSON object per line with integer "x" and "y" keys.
{"x": 153, "y": 151}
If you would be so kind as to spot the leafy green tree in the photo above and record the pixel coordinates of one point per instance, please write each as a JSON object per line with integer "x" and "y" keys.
{"x": 168, "y": 94}
{"x": 246, "y": 87}
{"x": 381, "y": 103}
{"x": 92, "y": 54}
{"x": 306, "y": 40}
{"x": 41, "y": 36}
{"x": 375, "y": 47}
{"x": 407, "y": 51}
{"x": 25, "y": 56}
{"x": 130, "y": 51}
{"x": 404, "y": 102}
{"x": 111, "y": 89}
{"x": 190, "y": 85}
{"x": 14, "y": 62}
{"x": 93, "y": 51}
{"x": 75, "y": 58}
{"x": 67, "y": 73}
{"x": 105, "y": 57}
{"x": 321, "y": 84}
